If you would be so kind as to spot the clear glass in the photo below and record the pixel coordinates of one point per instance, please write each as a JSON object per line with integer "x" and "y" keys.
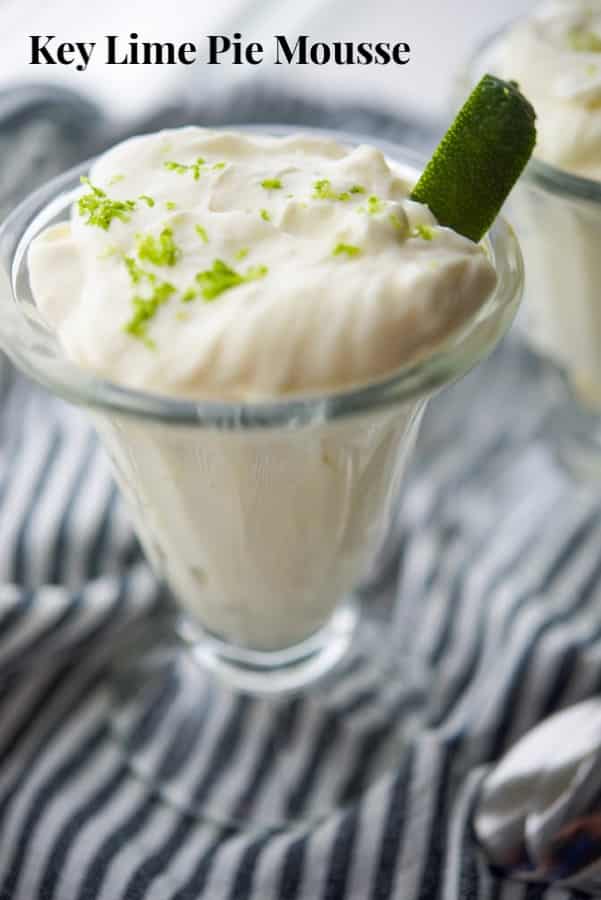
{"x": 557, "y": 216}
{"x": 262, "y": 518}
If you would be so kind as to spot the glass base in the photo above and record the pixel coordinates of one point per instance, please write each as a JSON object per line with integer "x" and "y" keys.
{"x": 230, "y": 742}
{"x": 277, "y": 672}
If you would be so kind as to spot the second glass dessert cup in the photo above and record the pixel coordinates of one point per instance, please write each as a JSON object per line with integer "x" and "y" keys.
{"x": 557, "y": 216}
{"x": 262, "y": 519}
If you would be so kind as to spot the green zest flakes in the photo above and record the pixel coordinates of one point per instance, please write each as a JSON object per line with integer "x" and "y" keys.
{"x": 189, "y": 295}
{"x": 322, "y": 190}
{"x": 100, "y": 209}
{"x": 374, "y": 205}
{"x": 242, "y": 253}
{"x": 584, "y": 41}
{"x": 265, "y": 215}
{"x": 147, "y": 200}
{"x": 219, "y": 165}
{"x": 221, "y": 277}
{"x": 171, "y": 205}
{"x": 161, "y": 252}
{"x": 145, "y": 310}
{"x": 202, "y": 233}
{"x": 195, "y": 168}
{"x": 136, "y": 273}
{"x": 271, "y": 184}
{"x": 116, "y": 179}
{"x": 348, "y": 249}
{"x": 110, "y": 250}
{"x": 180, "y": 168}
{"x": 425, "y": 232}
{"x": 396, "y": 222}
{"x": 256, "y": 272}
{"x": 357, "y": 189}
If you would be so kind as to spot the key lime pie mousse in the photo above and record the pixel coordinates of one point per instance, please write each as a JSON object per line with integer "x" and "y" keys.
{"x": 283, "y": 274}
{"x": 256, "y": 324}
{"x": 555, "y": 56}
{"x": 228, "y": 267}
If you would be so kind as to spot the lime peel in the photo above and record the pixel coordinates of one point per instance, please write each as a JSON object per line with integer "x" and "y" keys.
{"x": 479, "y": 159}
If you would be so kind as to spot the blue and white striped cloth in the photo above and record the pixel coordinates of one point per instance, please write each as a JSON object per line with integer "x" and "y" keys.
{"x": 497, "y": 560}
{"x": 494, "y": 554}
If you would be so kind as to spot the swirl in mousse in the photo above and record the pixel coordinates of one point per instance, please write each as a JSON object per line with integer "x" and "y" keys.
{"x": 228, "y": 267}
{"x": 555, "y": 56}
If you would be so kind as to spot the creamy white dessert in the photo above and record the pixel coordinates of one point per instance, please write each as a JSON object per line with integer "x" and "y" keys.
{"x": 271, "y": 266}
{"x": 214, "y": 265}
{"x": 555, "y": 56}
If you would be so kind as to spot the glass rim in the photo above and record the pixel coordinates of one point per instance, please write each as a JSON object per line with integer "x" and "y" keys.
{"x": 34, "y": 349}
{"x": 543, "y": 174}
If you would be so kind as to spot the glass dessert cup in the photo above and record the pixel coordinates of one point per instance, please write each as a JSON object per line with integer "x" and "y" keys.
{"x": 557, "y": 216}
{"x": 262, "y": 519}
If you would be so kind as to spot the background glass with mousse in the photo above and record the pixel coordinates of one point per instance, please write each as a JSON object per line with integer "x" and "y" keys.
{"x": 557, "y": 216}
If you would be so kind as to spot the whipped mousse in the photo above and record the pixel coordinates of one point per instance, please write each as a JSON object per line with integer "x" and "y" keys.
{"x": 555, "y": 56}
{"x": 212, "y": 264}
{"x": 205, "y": 264}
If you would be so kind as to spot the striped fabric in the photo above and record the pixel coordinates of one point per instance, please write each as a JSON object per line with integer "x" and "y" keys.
{"x": 495, "y": 560}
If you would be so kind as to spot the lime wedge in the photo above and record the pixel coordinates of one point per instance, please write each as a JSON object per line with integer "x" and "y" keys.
{"x": 479, "y": 159}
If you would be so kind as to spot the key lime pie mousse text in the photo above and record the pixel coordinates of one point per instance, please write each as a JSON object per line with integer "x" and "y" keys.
{"x": 219, "y": 266}
{"x": 555, "y": 56}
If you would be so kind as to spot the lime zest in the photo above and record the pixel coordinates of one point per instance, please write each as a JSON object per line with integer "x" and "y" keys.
{"x": 242, "y": 253}
{"x": 582, "y": 40}
{"x": 219, "y": 165}
{"x": 265, "y": 215}
{"x": 180, "y": 168}
{"x": 201, "y": 231}
{"x": 161, "y": 252}
{"x": 170, "y": 204}
{"x": 145, "y": 309}
{"x": 221, "y": 277}
{"x": 189, "y": 295}
{"x": 396, "y": 222}
{"x": 357, "y": 189}
{"x": 100, "y": 209}
{"x": 322, "y": 190}
{"x": 136, "y": 272}
{"x": 109, "y": 250}
{"x": 348, "y": 249}
{"x": 374, "y": 205}
{"x": 425, "y": 232}
{"x": 147, "y": 199}
{"x": 479, "y": 159}
{"x": 173, "y": 166}
{"x": 196, "y": 167}
{"x": 271, "y": 184}
{"x": 115, "y": 179}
